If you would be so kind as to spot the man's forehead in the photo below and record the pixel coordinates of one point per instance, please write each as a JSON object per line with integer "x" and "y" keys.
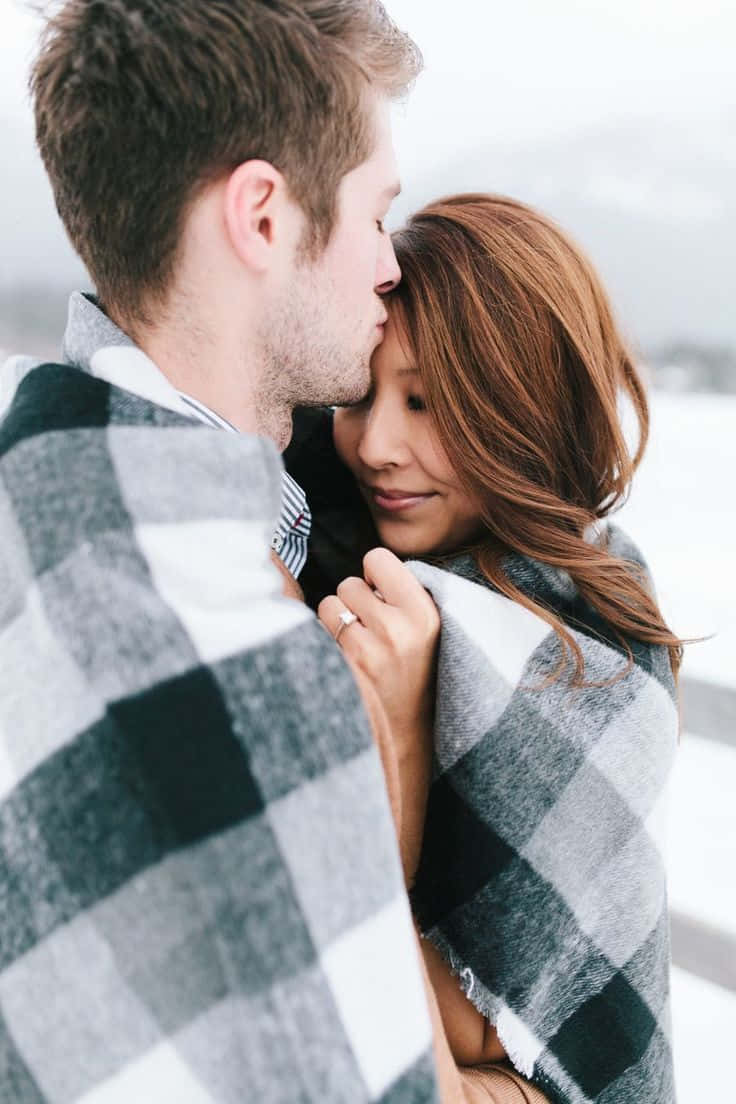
{"x": 383, "y": 151}
{"x": 384, "y": 173}
{"x": 379, "y": 176}
{"x": 379, "y": 173}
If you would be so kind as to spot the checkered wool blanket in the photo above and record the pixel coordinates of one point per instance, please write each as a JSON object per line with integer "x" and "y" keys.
{"x": 541, "y": 878}
{"x": 200, "y": 894}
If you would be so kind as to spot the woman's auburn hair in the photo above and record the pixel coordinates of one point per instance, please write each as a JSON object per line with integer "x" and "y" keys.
{"x": 523, "y": 370}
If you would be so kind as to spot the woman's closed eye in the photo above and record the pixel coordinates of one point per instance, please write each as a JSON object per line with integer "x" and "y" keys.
{"x": 415, "y": 403}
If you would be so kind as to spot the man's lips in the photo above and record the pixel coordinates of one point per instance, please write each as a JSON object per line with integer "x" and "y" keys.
{"x": 394, "y": 501}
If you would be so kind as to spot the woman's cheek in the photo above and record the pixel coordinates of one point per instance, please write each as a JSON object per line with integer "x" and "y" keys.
{"x": 436, "y": 462}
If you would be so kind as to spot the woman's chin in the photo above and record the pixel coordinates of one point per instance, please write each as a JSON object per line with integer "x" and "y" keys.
{"x": 405, "y": 545}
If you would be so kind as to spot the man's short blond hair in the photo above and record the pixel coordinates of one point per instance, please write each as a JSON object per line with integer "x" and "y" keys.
{"x": 141, "y": 103}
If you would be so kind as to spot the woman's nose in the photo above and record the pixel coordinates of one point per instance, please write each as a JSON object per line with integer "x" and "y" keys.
{"x": 382, "y": 442}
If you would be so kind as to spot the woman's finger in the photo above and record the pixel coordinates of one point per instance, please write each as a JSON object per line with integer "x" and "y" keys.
{"x": 359, "y": 644}
{"x": 329, "y": 613}
{"x": 396, "y": 584}
{"x": 360, "y": 598}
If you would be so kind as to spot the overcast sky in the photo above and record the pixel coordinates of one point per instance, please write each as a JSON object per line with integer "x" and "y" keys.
{"x": 524, "y": 70}
{"x": 518, "y": 69}
{"x": 515, "y": 78}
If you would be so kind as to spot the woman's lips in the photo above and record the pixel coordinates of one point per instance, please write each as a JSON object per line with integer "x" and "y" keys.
{"x": 395, "y": 501}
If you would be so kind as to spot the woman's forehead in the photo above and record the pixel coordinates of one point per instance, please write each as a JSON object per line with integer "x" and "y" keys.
{"x": 394, "y": 352}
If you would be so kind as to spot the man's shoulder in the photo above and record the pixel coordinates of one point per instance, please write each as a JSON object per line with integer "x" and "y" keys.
{"x": 79, "y": 430}
{"x": 88, "y": 469}
{"x": 157, "y": 543}
{"x": 52, "y": 397}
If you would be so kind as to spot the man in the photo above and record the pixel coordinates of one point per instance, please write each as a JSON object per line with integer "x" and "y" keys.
{"x": 202, "y": 897}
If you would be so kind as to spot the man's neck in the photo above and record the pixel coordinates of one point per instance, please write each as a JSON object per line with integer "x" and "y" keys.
{"x": 217, "y": 366}
{"x": 205, "y": 370}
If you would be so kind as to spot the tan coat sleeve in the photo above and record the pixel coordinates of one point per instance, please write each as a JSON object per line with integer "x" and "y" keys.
{"x": 500, "y": 1084}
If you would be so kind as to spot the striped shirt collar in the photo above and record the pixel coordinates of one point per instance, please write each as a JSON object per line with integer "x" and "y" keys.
{"x": 295, "y": 519}
{"x": 95, "y": 343}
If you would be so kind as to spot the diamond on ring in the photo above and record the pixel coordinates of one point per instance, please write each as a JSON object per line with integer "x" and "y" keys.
{"x": 346, "y": 618}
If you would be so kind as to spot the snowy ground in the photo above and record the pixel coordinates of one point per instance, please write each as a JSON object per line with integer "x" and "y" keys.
{"x": 683, "y": 514}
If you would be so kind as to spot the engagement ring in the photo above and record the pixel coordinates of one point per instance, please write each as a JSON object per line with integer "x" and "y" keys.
{"x": 347, "y": 617}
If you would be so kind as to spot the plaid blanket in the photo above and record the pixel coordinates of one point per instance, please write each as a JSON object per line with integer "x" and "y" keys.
{"x": 541, "y": 878}
{"x": 200, "y": 896}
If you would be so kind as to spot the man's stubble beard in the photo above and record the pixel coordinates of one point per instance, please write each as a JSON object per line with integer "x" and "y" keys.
{"x": 309, "y": 355}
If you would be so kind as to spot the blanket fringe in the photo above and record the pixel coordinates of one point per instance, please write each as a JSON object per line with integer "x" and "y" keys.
{"x": 492, "y": 1008}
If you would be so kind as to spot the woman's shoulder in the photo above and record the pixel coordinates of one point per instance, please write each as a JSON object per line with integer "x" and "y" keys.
{"x": 555, "y": 590}
{"x": 542, "y": 582}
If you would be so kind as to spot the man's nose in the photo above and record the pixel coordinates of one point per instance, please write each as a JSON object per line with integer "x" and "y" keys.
{"x": 388, "y": 273}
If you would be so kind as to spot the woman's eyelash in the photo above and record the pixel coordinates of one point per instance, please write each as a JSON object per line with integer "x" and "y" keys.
{"x": 416, "y": 403}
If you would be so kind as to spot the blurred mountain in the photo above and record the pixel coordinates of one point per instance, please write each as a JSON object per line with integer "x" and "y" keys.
{"x": 652, "y": 202}
{"x": 689, "y": 366}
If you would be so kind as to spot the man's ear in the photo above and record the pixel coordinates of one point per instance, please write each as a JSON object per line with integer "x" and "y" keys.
{"x": 254, "y": 210}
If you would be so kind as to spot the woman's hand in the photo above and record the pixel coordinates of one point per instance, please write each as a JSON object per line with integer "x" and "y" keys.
{"x": 394, "y": 641}
{"x": 393, "y": 646}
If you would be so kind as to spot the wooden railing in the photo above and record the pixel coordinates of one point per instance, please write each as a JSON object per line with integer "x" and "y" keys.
{"x": 708, "y": 711}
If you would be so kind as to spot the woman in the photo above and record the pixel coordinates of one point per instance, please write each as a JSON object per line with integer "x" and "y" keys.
{"x": 490, "y": 447}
